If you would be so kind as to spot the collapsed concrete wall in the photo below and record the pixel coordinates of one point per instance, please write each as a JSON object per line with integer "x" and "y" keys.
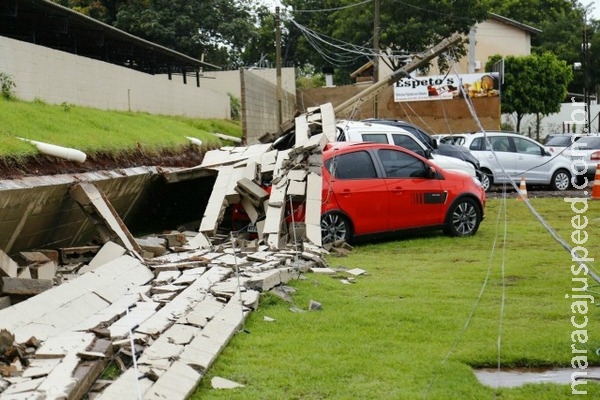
{"x": 171, "y": 302}
{"x": 38, "y": 212}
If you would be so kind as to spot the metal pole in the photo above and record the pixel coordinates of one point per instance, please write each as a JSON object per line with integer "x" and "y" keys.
{"x": 376, "y": 29}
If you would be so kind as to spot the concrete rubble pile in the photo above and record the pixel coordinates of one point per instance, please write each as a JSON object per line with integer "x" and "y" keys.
{"x": 162, "y": 307}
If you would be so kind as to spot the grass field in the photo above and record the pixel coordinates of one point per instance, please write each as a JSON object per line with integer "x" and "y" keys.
{"x": 92, "y": 130}
{"x": 429, "y": 310}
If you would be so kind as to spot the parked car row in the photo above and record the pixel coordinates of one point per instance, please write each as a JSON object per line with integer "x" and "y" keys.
{"x": 566, "y": 155}
{"x": 385, "y": 176}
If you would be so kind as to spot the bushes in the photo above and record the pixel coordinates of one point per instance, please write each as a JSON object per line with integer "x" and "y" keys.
{"x": 7, "y": 86}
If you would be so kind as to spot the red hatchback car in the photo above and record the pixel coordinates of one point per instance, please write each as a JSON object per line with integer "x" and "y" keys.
{"x": 374, "y": 188}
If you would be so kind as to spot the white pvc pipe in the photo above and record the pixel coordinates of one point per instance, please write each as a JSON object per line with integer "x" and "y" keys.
{"x": 58, "y": 151}
{"x": 195, "y": 141}
{"x": 227, "y": 137}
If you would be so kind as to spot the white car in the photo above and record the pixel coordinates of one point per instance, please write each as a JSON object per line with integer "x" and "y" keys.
{"x": 558, "y": 143}
{"x": 520, "y": 157}
{"x": 360, "y": 131}
{"x": 585, "y": 155}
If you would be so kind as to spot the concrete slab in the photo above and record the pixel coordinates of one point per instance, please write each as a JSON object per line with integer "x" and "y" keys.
{"x": 181, "y": 334}
{"x": 126, "y": 387}
{"x": 177, "y": 383}
{"x": 8, "y": 266}
{"x": 46, "y": 270}
{"x": 183, "y": 303}
{"x": 123, "y": 326}
{"x": 68, "y": 342}
{"x": 164, "y": 277}
{"x": 108, "y": 252}
{"x": 221, "y": 383}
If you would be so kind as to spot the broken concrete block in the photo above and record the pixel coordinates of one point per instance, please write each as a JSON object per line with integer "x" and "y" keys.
{"x": 221, "y": 383}
{"x": 26, "y": 287}
{"x": 200, "y": 241}
{"x": 357, "y": 271}
{"x": 45, "y": 271}
{"x": 81, "y": 254}
{"x": 315, "y": 306}
{"x": 175, "y": 239}
{"x": 252, "y": 191}
{"x": 5, "y": 302}
{"x": 328, "y": 122}
{"x": 32, "y": 257}
{"x": 165, "y": 277}
{"x": 8, "y": 266}
{"x": 296, "y": 188}
{"x": 51, "y": 254}
{"x": 96, "y": 206}
{"x": 318, "y": 270}
{"x": 250, "y": 171}
{"x": 302, "y": 130}
{"x": 155, "y": 245}
{"x": 25, "y": 273}
{"x": 109, "y": 252}
{"x": 214, "y": 212}
{"x": 178, "y": 382}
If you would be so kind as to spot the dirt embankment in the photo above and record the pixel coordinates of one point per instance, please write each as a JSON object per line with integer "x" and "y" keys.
{"x": 189, "y": 156}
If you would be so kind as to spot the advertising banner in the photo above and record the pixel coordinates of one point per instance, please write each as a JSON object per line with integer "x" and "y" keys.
{"x": 446, "y": 87}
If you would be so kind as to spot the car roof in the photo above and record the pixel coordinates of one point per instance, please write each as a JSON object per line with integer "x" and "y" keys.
{"x": 366, "y": 125}
{"x": 333, "y": 147}
{"x": 590, "y": 140}
{"x": 498, "y": 133}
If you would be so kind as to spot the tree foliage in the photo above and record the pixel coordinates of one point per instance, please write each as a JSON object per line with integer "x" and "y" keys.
{"x": 535, "y": 84}
{"x": 562, "y": 25}
{"x": 345, "y": 29}
{"x": 228, "y": 33}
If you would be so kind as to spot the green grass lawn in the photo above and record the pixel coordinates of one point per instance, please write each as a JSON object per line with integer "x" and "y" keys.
{"x": 429, "y": 310}
{"x": 97, "y": 131}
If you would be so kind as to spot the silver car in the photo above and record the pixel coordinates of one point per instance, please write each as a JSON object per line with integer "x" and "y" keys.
{"x": 585, "y": 155}
{"x": 515, "y": 156}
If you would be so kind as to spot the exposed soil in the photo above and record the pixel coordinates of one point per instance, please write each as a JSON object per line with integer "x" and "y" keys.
{"x": 47, "y": 165}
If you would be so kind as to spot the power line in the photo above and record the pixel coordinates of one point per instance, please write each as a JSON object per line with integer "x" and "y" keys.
{"x": 331, "y": 9}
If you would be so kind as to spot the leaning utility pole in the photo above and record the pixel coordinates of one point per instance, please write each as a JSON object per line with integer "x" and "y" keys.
{"x": 585, "y": 47}
{"x": 375, "y": 55}
{"x": 415, "y": 63}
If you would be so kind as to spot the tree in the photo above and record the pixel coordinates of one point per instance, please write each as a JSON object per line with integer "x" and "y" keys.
{"x": 227, "y": 32}
{"x": 562, "y": 26}
{"x": 535, "y": 84}
{"x": 345, "y": 29}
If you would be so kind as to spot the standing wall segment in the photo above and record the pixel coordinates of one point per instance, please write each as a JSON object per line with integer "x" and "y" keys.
{"x": 58, "y": 77}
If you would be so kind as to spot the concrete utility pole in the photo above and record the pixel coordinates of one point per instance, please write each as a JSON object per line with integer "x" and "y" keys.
{"x": 278, "y": 66}
{"x": 585, "y": 48}
{"x": 376, "y": 34}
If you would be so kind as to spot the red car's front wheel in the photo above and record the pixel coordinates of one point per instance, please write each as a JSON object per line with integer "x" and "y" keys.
{"x": 335, "y": 226}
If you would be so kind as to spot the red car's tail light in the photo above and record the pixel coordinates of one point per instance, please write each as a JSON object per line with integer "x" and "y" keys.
{"x": 595, "y": 156}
